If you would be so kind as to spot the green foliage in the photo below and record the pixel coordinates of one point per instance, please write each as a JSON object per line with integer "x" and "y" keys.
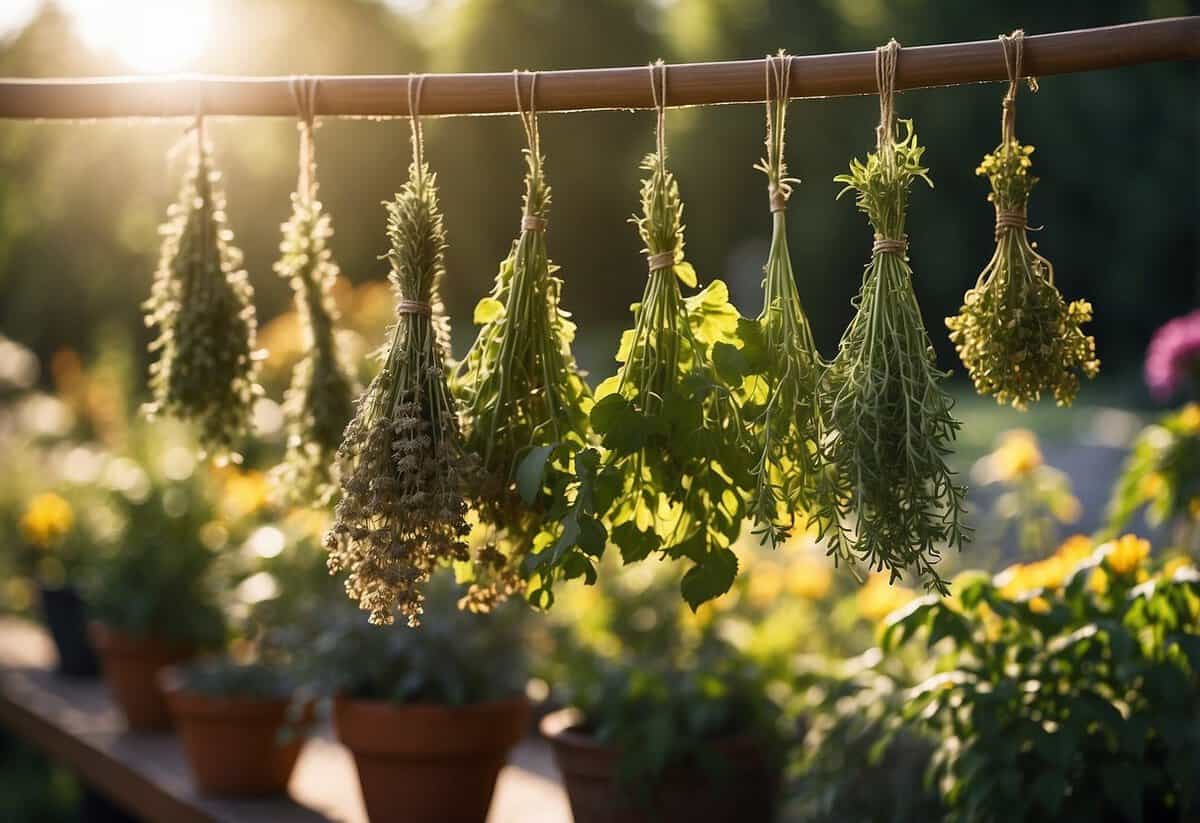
{"x": 224, "y": 677}
{"x": 1162, "y": 473}
{"x": 1015, "y": 334}
{"x": 888, "y": 499}
{"x": 453, "y": 658}
{"x": 202, "y": 304}
{"x": 522, "y": 394}
{"x": 405, "y": 470}
{"x": 1073, "y": 702}
{"x": 320, "y": 400}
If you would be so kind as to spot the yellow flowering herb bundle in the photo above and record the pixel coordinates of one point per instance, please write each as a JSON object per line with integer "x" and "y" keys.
{"x": 1015, "y": 333}
{"x": 405, "y": 472}
{"x": 202, "y": 304}
{"x": 320, "y": 400}
{"x": 523, "y": 396}
{"x": 787, "y": 421}
{"x": 890, "y": 502}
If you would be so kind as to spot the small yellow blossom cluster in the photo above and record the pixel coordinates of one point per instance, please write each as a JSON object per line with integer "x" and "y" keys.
{"x": 1050, "y": 573}
{"x": 1017, "y": 456}
{"x": 1008, "y": 170}
{"x": 46, "y": 520}
{"x": 878, "y": 597}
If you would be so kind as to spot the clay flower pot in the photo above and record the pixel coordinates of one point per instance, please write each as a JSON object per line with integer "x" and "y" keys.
{"x": 423, "y": 763}
{"x": 131, "y": 665}
{"x": 235, "y": 745}
{"x": 687, "y": 794}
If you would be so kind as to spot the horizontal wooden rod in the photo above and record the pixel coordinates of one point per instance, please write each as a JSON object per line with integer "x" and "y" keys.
{"x": 688, "y": 84}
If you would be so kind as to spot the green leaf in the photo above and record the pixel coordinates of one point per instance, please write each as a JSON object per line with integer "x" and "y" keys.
{"x": 730, "y": 363}
{"x": 635, "y": 544}
{"x": 530, "y": 472}
{"x": 487, "y": 310}
{"x": 686, "y": 274}
{"x": 709, "y": 579}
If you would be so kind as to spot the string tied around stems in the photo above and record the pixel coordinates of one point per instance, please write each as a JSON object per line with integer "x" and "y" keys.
{"x": 415, "y": 86}
{"x": 778, "y": 73}
{"x": 886, "y": 59}
{"x": 533, "y": 140}
{"x": 890, "y": 245}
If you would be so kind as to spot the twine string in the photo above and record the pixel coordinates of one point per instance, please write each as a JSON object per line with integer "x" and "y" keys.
{"x": 890, "y": 245}
{"x": 415, "y": 87}
{"x": 1013, "y": 46}
{"x": 304, "y": 94}
{"x": 405, "y": 306}
{"x": 658, "y": 95}
{"x": 886, "y": 59}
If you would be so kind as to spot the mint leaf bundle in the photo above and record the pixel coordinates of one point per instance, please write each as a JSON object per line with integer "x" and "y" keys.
{"x": 890, "y": 502}
{"x": 202, "y": 303}
{"x": 405, "y": 472}
{"x": 320, "y": 400}
{"x": 522, "y": 394}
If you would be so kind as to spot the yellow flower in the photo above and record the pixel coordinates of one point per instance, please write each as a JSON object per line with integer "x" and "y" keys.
{"x": 1017, "y": 456}
{"x": 244, "y": 491}
{"x": 1175, "y": 564}
{"x": 47, "y": 518}
{"x": 1050, "y": 573}
{"x": 1039, "y": 605}
{"x": 810, "y": 579}
{"x": 1075, "y": 549}
{"x": 1189, "y": 418}
{"x": 1124, "y": 555}
{"x": 878, "y": 598}
{"x": 1151, "y": 485}
{"x": 1098, "y": 582}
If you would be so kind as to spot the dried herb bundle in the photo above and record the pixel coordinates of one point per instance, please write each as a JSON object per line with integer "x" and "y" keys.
{"x": 202, "y": 303}
{"x": 678, "y": 454}
{"x": 405, "y": 471}
{"x": 1015, "y": 334}
{"x": 522, "y": 394}
{"x": 890, "y": 500}
{"x": 787, "y": 421}
{"x": 320, "y": 400}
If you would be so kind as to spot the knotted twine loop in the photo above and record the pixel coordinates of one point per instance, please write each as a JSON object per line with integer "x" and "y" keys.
{"x": 778, "y": 69}
{"x": 890, "y": 245}
{"x": 886, "y": 59}
{"x": 658, "y": 95}
{"x": 415, "y": 84}
{"x": 533, "y": 139}
{"x": 1013, "y": 46}
{"x": 304, "y": 94}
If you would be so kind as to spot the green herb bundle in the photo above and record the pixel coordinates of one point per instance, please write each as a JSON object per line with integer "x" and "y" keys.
{"x": 320, "y": 400}
{"x": 523, "y": 395}
{"x": 678, "y": 454}
{"x": 890, "y": 502}
{"x": 203, "y": 305}
{"x": 405, "y": 472}
{"x": 789, "y": 423}
{"x": 1015, "y": 334}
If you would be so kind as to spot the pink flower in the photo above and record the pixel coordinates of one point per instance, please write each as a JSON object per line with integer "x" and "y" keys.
{"x": 1174, "y": 355}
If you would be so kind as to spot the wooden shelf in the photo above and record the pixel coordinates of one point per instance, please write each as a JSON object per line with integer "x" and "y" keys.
{"x": 76, "y": 723}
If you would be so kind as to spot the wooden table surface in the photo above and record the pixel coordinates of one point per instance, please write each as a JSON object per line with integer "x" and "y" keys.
{"x": 76, "y": 723}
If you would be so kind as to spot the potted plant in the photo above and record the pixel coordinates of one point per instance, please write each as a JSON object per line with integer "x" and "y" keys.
{"x": 153, "y": 599}
{"x": 429, "y": 713}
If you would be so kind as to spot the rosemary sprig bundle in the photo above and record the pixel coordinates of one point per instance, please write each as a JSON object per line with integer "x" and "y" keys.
{"x": 405, "y": 472}
{"x": 890, "y": 502}
{"x": 320, "y": 400}
{"x": 202, "y": 302}
{"x": 522, "y": 394}
{"x": 788, "y": 424}
{"x": 1015, "y": 334}
{"x": 678, "y": 456}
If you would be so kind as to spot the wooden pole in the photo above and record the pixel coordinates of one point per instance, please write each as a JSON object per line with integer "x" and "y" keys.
{"x": 689, "y": 84}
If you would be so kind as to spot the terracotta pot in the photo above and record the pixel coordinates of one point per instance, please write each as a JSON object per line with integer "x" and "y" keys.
{"x": 235, "y": 745}
{"x": 423, "y": 763}
{"x": 131, "y": 665}
{"x": 66, "y": 618}
{"x": 744, "y": 793}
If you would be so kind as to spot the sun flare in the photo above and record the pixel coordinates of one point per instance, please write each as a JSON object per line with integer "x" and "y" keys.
{"x": 151, "y": 36}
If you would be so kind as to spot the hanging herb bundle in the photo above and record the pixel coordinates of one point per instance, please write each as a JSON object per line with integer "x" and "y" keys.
{"x": 320, "y": 400}
{"x": 1015, "y": 334}
{"x": 890, "y": 501}
{"x": 789, "y": 423}
{"x": 524, "y": 398}
{"x": 678, "y": 454}
{"x": 404, "y": 469}
{"x": 203, "y": 305}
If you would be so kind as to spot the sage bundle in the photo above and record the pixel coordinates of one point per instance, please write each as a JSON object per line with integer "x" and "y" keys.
{"x": 320, "y": 400}
{"x": 202, "y": 303}
{"x": 522, "y": 393}
{"x": 789, "y": 423}
{"x": 678, "y": 456}
{"x": 405, "y": 472}
{"x": 890, "y": 502}
{"x": 1015, "y": 333}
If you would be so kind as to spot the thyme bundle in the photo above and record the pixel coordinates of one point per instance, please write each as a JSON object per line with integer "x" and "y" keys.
{"x": 789, "y": 423}
{"x": 405, "y": 471}
{"x": 890, "y": 502}
{"x": 320, "y": 400}
{"x": 678, "y": 455}
{"x": 1015, "y": 334}
{"x": 522, "y": 393}
{"x": 202, "y": 302}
